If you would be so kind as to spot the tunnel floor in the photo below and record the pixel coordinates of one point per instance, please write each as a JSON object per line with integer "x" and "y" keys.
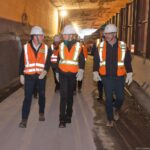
{"x": 88, "y": 129}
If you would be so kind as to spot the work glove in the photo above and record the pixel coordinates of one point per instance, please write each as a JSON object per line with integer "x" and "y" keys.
{"x": 129, "y": 78}
{"x": 80, "y": 75}
{"x": 57, "y": 76}
{"x": 96, "y": 76}
{"x": 22, "y": 79}
{"x": 42, "y": 74}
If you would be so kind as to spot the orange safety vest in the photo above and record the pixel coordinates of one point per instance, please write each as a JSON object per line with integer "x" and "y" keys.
{"x": 34, "y": 64}
{"x": 54, "y": 56}
{"x": 69, "y": 59}
{"x": 121, "y": 56}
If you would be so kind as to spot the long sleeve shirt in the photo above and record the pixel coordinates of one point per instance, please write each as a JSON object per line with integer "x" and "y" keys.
{"x": 22, "y": 63}
{"x": 112, "y": 60}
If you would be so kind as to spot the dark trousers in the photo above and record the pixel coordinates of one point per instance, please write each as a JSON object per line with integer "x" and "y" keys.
{"x": 30, "y": 82}
{"x": 67, "y": 84}
{"x": 113, "y": 85}
{"x": 35, "y": 90}
{"x": 56, "y": 82}
{"x": 79, "y": 84}
{"x": 100, "y": 88}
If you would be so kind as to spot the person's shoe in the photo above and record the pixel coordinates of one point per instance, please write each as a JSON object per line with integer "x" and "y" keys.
{"x": 115, "y": 114}
{"x": 23, "y": 123}
{"x": 62, "y": 124}
{"x": 41, "y": 117}
{"x": 110, "y": 124}
{"x": 68, "y": 119}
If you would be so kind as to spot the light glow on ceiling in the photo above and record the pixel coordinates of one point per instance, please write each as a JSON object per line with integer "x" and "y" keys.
{"x": 63, "y": 13}
{"x": 83, "y": 32}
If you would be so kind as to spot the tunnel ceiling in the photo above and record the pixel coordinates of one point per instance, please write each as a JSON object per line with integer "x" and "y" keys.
{"x": 90, "y": 13}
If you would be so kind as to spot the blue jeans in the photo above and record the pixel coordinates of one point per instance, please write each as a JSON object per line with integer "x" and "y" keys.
{"x": 113, "y": 85}
{"x": 30, "y": 82}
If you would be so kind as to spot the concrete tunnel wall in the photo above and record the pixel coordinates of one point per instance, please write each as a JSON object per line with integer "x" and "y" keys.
{"x": 39, "y": 12}
{"x": 15, "y": 28}
{"x": 141, "y": 72}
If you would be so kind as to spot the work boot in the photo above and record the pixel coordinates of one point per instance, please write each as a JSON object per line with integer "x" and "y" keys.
{"x": 41, "y": 117}
{"x": 115, "y": 114}
{"x": 23, "y": 123}
{"x": 62, "y": 124}
{"x": 109, "y": 124}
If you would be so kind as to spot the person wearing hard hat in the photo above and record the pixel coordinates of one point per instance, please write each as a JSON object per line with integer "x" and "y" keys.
{"x": 53, "y": 59}
{"x": 113, "y": 62}
{"x": 33, "y": 68}
{"x": 71, "y": 67}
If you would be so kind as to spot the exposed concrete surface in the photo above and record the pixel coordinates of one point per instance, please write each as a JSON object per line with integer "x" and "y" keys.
{"x": 141, "y": 70}
{"x": 87, "y": 131}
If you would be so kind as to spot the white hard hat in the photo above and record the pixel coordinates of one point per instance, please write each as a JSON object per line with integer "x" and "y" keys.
{"x": 110, "y": 28}
{"x": 69, "y": 29}
{"x": 36, "y": 30}
{"x": 57, "y": 38}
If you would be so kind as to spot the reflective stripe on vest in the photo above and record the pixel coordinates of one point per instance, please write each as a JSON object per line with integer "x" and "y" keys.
{"x": 62, "y": 51}
{"x": 34, "y": 67}
{"x": 52, "y": 47}
{"x": 34, "y": 70}
{"x": 123, "y": 52}
{"x": 75, "y": 57}
{"x": 102, "y": 62}
{"x": 53, "y": 58}
{"x": 68, "y": 62}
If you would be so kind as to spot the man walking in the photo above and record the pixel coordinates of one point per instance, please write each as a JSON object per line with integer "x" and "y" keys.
{"x": 34, "y": 65}
{"x": 71, "y": 68}
{"x": 113, "y": 62}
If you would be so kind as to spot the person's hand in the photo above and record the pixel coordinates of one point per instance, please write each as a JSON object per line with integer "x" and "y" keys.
{"x": 80, "y": 75}
{"x": 57, "y": 76}
{"x": 96, "y": 76}
{"x": 129, "y": 78}
{"x": 42, "y": 74}
{"x": 22, "y": 79}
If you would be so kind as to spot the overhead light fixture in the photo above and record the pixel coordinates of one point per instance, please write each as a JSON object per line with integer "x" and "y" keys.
{"x": 63, "y": 13}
